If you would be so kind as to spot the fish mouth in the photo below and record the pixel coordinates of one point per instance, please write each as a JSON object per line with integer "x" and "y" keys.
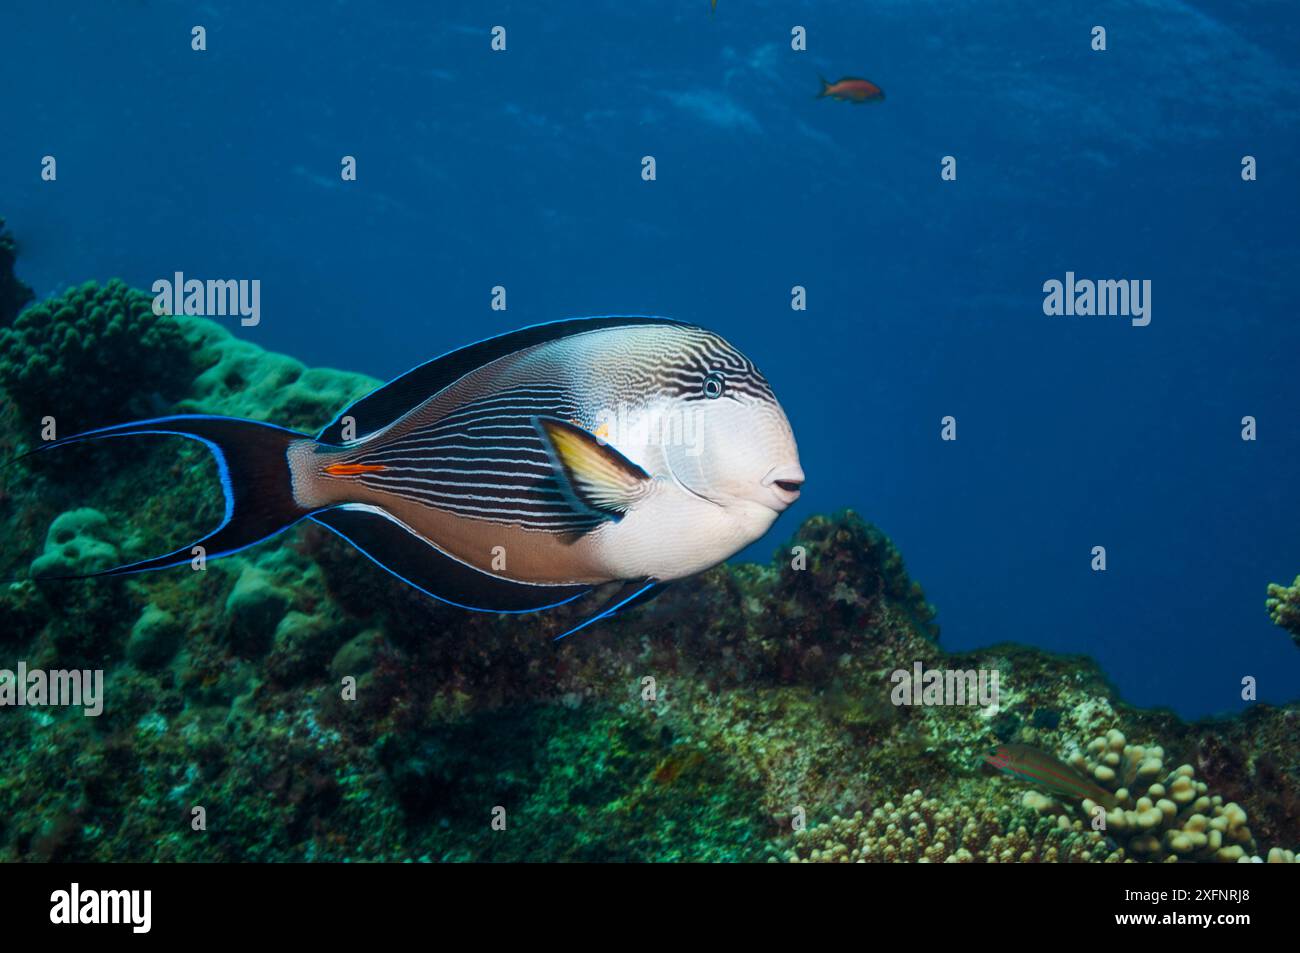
{"x": 784, "y": 483}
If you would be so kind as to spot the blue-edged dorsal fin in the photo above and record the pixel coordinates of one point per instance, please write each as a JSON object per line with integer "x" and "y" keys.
{"x": 381, "y": 407}
{"x": 412, "y": 559}
{"x": 598, "y": 478}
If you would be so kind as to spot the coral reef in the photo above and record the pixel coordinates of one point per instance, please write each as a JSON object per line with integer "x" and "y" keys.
{"x": 14, "y": 295}
{"x": 239, "y": 379}
{"x": 317, "y": 709}
{"x": 154, "y": 639}
{"x": 1283, "y": 606}
{"x": 94, "y": 356}
{"x": 1162, "y": 814}
{"x": 78, "y": 541}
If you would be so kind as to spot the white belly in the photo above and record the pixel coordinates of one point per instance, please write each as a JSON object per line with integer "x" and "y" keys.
{"x": 672, "y": 534}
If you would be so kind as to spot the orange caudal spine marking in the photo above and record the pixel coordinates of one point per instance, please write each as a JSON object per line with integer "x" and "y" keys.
{"x": 352, "y": 469}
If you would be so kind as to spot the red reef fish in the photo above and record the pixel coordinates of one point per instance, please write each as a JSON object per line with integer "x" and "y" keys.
{"x": 850, "y": 89}
{"x": 1039, "y": 768}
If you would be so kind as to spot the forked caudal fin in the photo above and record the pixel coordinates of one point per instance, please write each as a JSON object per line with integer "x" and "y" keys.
{"x": 251, "y": 458}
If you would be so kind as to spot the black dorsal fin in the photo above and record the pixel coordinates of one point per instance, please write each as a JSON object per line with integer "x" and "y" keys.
{"x": 413, "y": 560}
{"x": 381, "y": 407}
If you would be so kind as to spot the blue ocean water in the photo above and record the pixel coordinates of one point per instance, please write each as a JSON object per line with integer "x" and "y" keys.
{"x": 924, "y": 297}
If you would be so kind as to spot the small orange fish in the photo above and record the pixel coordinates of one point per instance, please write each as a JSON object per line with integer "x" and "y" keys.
{"x": 850, "y": 89}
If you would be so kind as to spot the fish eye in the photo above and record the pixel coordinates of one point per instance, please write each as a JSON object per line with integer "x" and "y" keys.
{"x": 714, "y": 385}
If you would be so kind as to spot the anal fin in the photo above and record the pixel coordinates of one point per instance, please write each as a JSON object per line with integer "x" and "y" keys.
{"x": 415, "y": 561}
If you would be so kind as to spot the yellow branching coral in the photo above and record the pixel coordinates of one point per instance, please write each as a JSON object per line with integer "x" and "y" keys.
{"x": 1162, "y": 814}
{"x": 926, "y": 830}
{"x": 1283, "y": 606}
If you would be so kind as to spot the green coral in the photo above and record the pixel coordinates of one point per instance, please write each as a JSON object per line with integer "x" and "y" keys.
{"x": 154, "y": 639}
{"x": 242, "y": 380}
{"x": 93, "y": 356}
{"x": 78, "y": 541}
{"x": 81, "y": 622}
{"x": 255, "y": 606}
{"x": 1283, "y": 606}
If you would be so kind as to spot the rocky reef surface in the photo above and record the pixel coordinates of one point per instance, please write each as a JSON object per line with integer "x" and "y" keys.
{"x": 317, "y": 709}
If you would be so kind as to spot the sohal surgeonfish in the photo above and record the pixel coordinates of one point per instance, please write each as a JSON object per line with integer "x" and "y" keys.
{"x": 520, "y": 472}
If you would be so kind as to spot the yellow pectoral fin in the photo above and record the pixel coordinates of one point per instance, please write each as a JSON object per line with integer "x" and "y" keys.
{"x": 599, "y": 476}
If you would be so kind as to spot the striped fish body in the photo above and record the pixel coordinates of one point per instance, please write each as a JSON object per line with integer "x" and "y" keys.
{"x": 469, "y": 472}
{"x": 1051, "y": 774}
